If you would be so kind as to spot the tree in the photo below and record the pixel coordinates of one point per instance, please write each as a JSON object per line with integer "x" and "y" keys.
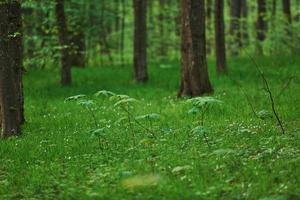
{"x": 11, "y": 87}
{"x": 220, "y": 36}
{"x": 244, "y": 23}
{"x": 261, "y": 25}
{"x": 140, "y": 40}
{"x": 162, "y": 21}
{"x": 61, "y": 21}
{"x": 286, "y": 5}
{"x": 76, "y": 35}
{"x": 235, "y": 26}
{"x": 194, "y": 73}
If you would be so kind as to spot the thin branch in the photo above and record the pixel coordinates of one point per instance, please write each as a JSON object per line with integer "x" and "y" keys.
{"x": 268, "y": 90}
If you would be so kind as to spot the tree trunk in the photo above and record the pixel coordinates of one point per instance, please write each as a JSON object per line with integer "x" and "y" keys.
{"x": 161, "y": 19}
{"x": 140, "y": 40}
{"x": 234, "y": 29}
{"x": 11, "y": 49}
{"x": 77, "y": 39}
{"x": 244, "y": 24}
{"x": 122, "y": 43}
{"x": 286, "y": 5}
{"x": 194, "y": 74}
{"x": 298, "y": 10}
{"x": 273, "y": 8}
{"x": 220, "y": 37}
{"x": 261, "y": 25}
{"x": 78, "y": 48}
{"x": 64, "y": 43}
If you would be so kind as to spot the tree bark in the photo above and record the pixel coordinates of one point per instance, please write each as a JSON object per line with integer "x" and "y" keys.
{"x": 11, "y": 90}
{"x": 286, "y": 5}
{"x": 77, "y": 39}
{"x": 220, "y": 37}
{"x": 140, "y": 40}
{"x": 235, "y": 26}
{"x": 61, "y": 21}
{"x": 161, "y": 18}
{"x": 261, "y": 25}
{"x": 122, "y": 43}
{"x": 244, "y": 24}
{"x": 194, "y": 74}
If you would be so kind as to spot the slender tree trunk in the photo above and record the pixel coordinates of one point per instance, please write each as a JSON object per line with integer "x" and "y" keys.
{"x": 234, "y": 29}
{"x": 161, "y": 17}
{"x": 286, "y": 5}
{"x": 244, "y": 23}
{"x": 11, "y": 90}
{"x": 140, "y": 40}
{"x": 77, "y": 39}
{"x": 61, "y": 21}
{"x": 220, "y": 37}
{"x": 77, "y": 47}
{"x": 298, "y": 10}
{"x": 194, "y": 74}
{"x": 261, "y": 25}
{"x": 122, "y": 43}
{"x": 273, "y": 8}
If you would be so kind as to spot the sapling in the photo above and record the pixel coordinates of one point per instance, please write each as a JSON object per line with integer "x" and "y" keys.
{"x": 125, "y": 103}
{"x": 85, "y": 103}
{"x": 100, "y": 135}
{"x": 202, "y": 105}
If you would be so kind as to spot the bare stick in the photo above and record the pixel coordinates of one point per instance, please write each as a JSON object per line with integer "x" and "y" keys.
{"x": 268, "y": 90}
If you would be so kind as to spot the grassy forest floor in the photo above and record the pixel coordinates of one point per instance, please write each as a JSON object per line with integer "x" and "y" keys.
{"x": 65, "y": 154}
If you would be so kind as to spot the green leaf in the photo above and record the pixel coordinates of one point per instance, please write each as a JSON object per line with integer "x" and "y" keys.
{"x": 201, "y": 101}
{"x": 104, "y": 93}
{"x": 86, "y": 103}
{"x": 194, "y": 110}
{"x": 200, "y": 131}
{"x": 100, "y": 132}
{"x": 75, "y": 98}
{"x": 151, "y": 116}
{"x": 125, "y": 102}
{"x": 264, "y": 114}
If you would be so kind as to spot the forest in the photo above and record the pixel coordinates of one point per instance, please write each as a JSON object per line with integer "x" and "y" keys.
{"x": 150, "y": 99}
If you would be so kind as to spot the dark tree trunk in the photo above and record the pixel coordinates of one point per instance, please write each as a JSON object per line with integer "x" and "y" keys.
{"x": 235, "y": 26}
{"x": 11, "y": 88}
{"x": 161, "y": 18}
{"x": 220, "y": 37}
{"x": 273, "y": 8}
{"x": 77, "y": 48}
{"x": 298, "y": 10}
{"x": 194, "y": 74}
{"x": 61, "y": 21}
{"x": 77, "y": 39}
{"x": 122, "y": 43}
{"x": 140, "y": 40}
{"x": 244, "y": 23}
{"x": 286, "y": 5}
{"x": 261, "y": 25}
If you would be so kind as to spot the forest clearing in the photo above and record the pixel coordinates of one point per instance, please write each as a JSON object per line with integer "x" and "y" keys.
{"x": 157, "y": 99}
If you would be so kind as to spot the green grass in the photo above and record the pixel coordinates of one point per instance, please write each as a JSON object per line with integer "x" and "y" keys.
{"x": 248, "y": 158}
